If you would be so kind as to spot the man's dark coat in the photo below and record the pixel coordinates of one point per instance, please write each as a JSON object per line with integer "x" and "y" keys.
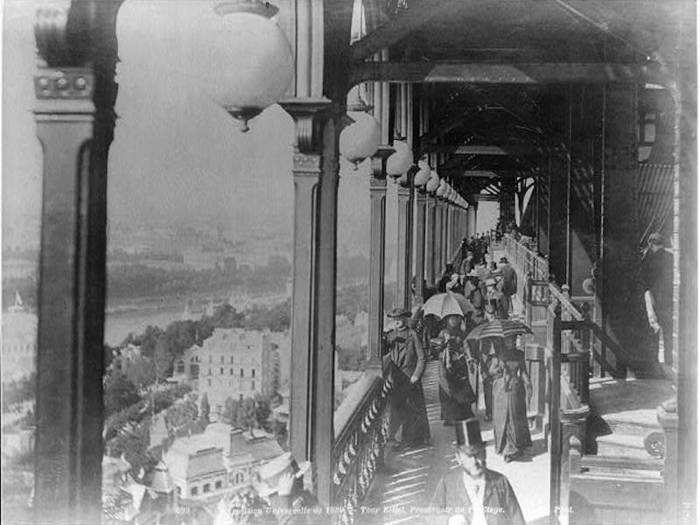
{"x": 501, "y": 506}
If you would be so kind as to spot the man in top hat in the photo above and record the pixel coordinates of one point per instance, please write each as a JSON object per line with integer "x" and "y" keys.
{"x": 657, "y": 281}
{"x": 496, "y": 305}
{"x": 473, "y": 494}
{"x": 404, "y": 359}
{"x": 509, "y": 282}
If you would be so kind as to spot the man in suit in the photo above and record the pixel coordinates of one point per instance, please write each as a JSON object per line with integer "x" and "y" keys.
{"x": 472, "y": 494}
{"x": 496, "y": 304}
{"x": 404, "y": 359}
{"x": 657, "y": 281}
{"x": 509, "y": 282}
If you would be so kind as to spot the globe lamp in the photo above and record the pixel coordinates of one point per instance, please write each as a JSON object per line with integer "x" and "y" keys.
{"x": 400, "y": 161}
{"x": 249, "y": 59}
{"x": 360, "y": 139}
{"x": 442, "y": 189}
{"x": 433, "y": 183}
{"x": 423, "y": 176}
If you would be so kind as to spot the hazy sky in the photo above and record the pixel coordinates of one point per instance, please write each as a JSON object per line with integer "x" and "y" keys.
{"x": 176, "y": 155}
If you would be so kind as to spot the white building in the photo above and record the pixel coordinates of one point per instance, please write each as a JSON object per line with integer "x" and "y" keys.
{"x": 219, "y": 460}
{"x": 232, "y": 363}
{"x": 196, "y": 467}
{"x": 19, "y": 331}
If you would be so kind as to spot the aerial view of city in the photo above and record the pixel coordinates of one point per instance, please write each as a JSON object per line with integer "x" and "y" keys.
{"x": 348, "y": 262}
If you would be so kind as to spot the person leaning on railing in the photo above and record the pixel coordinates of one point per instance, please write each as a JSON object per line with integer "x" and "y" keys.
{"x": 404, "y": 359}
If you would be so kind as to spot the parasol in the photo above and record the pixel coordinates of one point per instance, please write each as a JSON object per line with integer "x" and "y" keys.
{"x": 499, "y": 329}
{"x": 445, "y": 304}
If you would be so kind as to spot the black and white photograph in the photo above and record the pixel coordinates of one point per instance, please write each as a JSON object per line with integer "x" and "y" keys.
{"x": 349, "y": 262}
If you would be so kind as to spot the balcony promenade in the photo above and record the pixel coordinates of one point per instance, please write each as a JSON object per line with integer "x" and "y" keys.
{"x": 403, "y": 491}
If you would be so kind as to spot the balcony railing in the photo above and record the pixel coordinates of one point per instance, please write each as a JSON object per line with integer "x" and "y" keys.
{"x": 360, "y": 428}
{"x": 606, "y": 357}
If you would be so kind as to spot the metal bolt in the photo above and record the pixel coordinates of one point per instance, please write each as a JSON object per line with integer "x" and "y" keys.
{"x": 62, "y": 83}
{"x": 80, "y": 83}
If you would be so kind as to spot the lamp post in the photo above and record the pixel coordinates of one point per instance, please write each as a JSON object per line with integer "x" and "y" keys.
{"x": 398, "y": 167}
{"x": 420, "y": 179}
{"x": 431, "y": 219}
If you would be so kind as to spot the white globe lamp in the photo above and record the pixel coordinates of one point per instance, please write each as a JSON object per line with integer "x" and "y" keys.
{"x": 434, "y": 182}
{"x": 423, "y": 176}
{"x": 360, "y": 139}
{"x": 400, "y": 161}
{"x": 249, "y": 63}
{"x": 442, "y": 189}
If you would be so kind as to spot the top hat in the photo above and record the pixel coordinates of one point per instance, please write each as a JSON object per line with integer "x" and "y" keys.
{"x": 656, "y": 238}
{"x": 398, "y": 312}
{"x": 469, "y": 435}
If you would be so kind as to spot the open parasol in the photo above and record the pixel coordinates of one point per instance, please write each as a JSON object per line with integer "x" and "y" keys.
{"x": 498, "y": 329}
{"x": 445, "y": 304}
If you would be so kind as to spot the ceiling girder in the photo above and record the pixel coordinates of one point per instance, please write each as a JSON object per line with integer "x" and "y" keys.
{"x": 515, "y": 73}
{"x": 400, "y": 26}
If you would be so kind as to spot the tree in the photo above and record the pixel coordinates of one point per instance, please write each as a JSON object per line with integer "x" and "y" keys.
{"x": 162, "y": 359}
{"x": 204, "y": 408}
{"x": 119, "y": 394}
{"x": 247, "y": 413}
{"x": 262, "y": 410}
{"x": 226, "y": 316}
{"x": 141, "y": 372}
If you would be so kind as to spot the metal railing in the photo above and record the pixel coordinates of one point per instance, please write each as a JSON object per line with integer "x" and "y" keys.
{"x": 605, "y": 356}
{"x": 360, "y": 428}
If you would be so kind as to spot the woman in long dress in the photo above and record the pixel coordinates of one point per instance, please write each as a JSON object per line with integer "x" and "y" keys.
{"x": 511, "y": 389}
{"x": 456, "y": 367}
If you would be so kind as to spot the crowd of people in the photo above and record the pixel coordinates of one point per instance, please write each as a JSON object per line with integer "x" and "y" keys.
{"x": 456, "y": 325}
{"x": 467, "y": 365}
{"x": 466, "y": 324}
{"x": 473, "y": 297}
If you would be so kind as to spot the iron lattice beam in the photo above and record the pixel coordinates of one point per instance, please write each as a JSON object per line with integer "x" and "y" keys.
{"x": 483, "y": 150}
{"x": 514, "y": 73}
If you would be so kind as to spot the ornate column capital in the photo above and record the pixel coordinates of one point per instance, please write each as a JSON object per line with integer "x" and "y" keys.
{"x": 378, "y": 170}
{"x": 309, "y": 116}
{"x": 64, "y": 91}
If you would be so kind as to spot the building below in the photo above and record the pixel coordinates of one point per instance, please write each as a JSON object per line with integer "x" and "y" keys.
{"x": 218, "y": 462}
{"x": 19, "y": 330}
{"x": 232, "y": 363}
{"x": 196, "y": 467}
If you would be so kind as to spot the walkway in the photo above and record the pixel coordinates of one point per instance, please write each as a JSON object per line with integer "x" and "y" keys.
{"x": 404, "y": 492}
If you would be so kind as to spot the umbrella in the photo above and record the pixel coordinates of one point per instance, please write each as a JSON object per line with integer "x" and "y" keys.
{"x": 498, "y": 328}
{"x": 444, "y": 304}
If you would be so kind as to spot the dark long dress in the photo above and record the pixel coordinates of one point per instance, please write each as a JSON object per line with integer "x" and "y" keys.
{"x": 455, "y": 388}
{"x": 405, "y": 359}
{"x": 510, "y": 428}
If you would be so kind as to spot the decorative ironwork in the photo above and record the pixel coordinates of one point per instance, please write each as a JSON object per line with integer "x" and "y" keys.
{"x": 358, "y": 449}
{"x": 64, "y": 84}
